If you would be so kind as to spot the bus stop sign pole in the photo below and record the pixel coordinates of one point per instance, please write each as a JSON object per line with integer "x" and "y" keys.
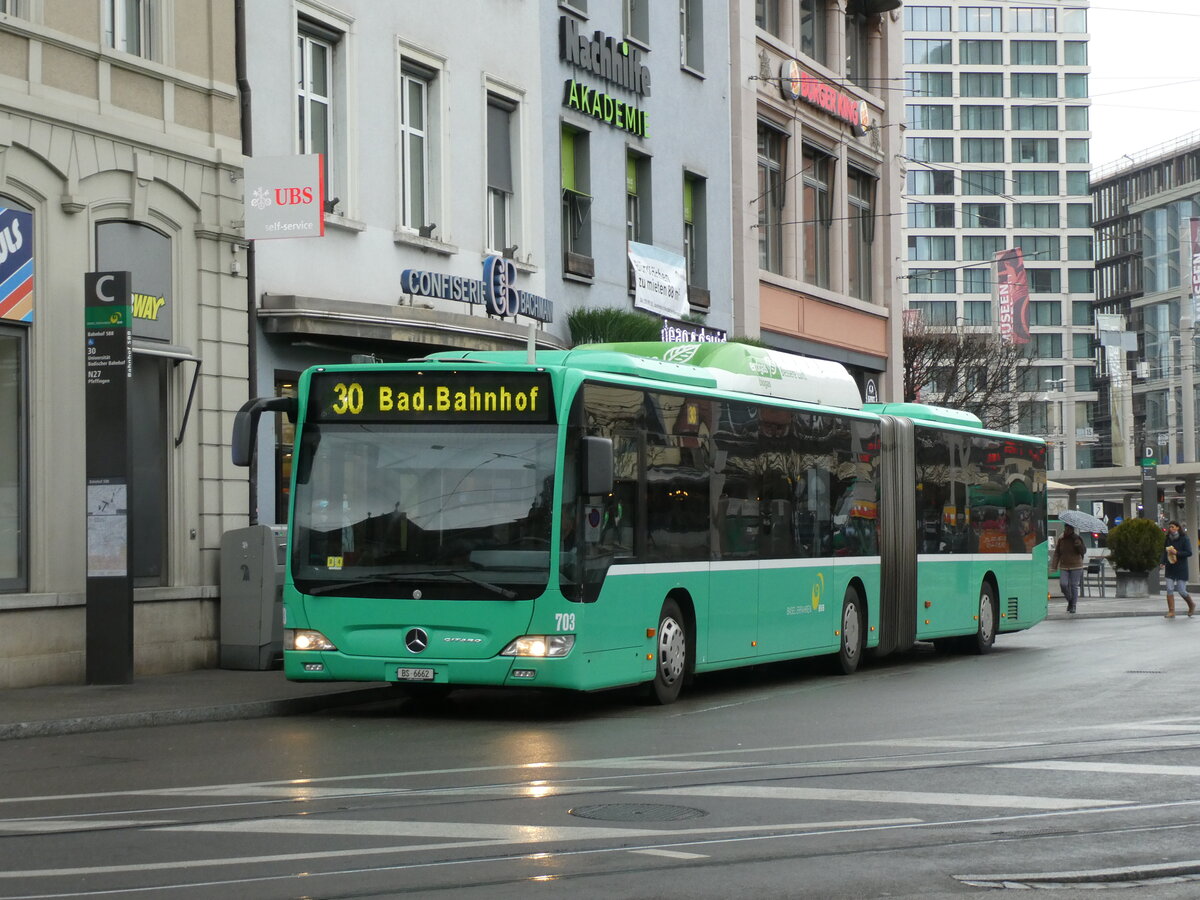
{"x": 108, "y": 361}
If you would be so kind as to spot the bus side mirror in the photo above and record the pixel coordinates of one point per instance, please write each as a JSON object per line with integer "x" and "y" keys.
{"x": 245, "y": 424}
{"x": 597, "y": 466}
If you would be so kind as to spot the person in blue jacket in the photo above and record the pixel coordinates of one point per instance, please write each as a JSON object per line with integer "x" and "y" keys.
{"x": 1175, "y": 567}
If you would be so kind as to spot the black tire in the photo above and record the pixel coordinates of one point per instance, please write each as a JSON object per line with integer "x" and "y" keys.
{"x": 851, "y": 631}
{"x": 989, "y": 612}
{"x": 673, "y": 657}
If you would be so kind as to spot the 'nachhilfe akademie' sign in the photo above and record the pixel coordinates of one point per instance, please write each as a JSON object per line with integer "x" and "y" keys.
{"x": 617, "y": 62}
{"x": 285, "y": 197}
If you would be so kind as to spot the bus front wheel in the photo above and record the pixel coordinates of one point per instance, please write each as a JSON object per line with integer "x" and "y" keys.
{"x": 672, "y": 665}
{"x": 850, "y": 650}
{"x": 985, "y": 633}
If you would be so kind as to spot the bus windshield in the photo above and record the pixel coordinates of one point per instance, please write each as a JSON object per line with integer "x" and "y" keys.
{"x": 435, "y": 512}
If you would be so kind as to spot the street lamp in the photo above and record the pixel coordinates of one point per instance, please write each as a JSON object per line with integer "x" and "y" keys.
{"x": 1059, "y": 437}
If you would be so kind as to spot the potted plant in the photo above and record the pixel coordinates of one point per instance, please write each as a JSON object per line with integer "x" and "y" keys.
{"x": 1135, "y": 547}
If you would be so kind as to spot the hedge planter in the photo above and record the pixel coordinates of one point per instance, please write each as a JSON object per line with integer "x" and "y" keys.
{"x": 1133, "y": 584}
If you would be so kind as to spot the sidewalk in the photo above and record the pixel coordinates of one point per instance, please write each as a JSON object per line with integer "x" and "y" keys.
{"x": 213, "y": 695}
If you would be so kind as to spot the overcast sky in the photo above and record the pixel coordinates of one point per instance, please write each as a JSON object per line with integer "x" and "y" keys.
{"x": 1145, "y": 75}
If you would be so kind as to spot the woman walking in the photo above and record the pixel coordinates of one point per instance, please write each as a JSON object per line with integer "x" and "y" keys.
{"x": 1070, "y": 560}
{"x": 1175, "y": 568}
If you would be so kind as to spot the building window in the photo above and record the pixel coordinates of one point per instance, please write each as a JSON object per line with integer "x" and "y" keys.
{"x": 930, "y": 117}
{"x": 130, "y": 26}
{"x": 938, "y": 313}
{"x": 983, "y": 215}
{"x": 981, "y": 84}
{"x": 500, "y": 192}
{"x": 931, "y": 215}
{"x": 14, "y": 475}
{"x": 1035, "y": 118}
{"x": 980, "y": 18}
{"x": 926, "y": 18}
{"x": 982, "y": 118}
{"x": 982, "y": 247}
{"x": 817, "y": 185}
{"x": 927, "y": 51}
{"x": 1084, "y": 378}
{"x": 1081, "y": 281}
{"x": 1079, "y": 247}
{"x": 314, "y": 86}
{"x": 772, "y": 145}
{"x": 928, "y": 246}
{"x": 1045, "y": 346}
{"x": 1034, "y": 84}
{"x": 577, "y": 202}
{"x": 416, "y": 150}
{"x": 1074, "y": 21}
{"x": 1079, "y": 215}
{"x": 1081, "y": 310}
{"x": 1035, "y": 215}
{"x": 1075, "y": 53}
{"x": 977, "y": 312}
{"x": 635, "y": 17}
{"x": 1081, "y": 346}
{"x": 1037, "y": 19}
{"x": 931, "y": 281}
{"x": 638, "y": 226}
{"x": 1078, "y": 184}
{"x": 988, "y": 182}
{"x": 1033, "y": 53}
{"x": 1077, "y": 150}
{"x": 977, "y": 281}
{"x": 1075, "y": 86}
{"x": 985, "y": 150}
{"x": 921, "y": 149}
{"x": 981, "y": 53}
{"x": 1038, "y": 248}
{"x": 858, "y": 56}
{"x": 766, "y": 15}
{"x": 691, "y": 34}
{"x": 1035, "y": 150}
{"x": 812, "y": 29}
{"x": 861, "y": 233}
{"x": 1041, "y": 184}
{"x": 928, "y": 84}
{"x": 1075, "y": 118}
{"x": 925, "y": 181}
{"x": 1046, "y": 281}
{"x": 695, "y": 232}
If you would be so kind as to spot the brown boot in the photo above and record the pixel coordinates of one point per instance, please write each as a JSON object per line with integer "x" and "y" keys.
{"x": 1170, "y": 607}
{"x": 1191, "y": 605}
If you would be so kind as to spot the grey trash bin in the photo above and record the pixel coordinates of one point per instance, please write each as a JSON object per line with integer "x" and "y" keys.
{"x": 252, "y": 565}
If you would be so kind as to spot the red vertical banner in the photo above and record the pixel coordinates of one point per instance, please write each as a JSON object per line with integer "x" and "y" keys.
{"x": 1012, "y": 292}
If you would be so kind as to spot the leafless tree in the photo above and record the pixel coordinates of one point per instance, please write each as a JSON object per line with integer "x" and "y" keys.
{"x": 968, "y": 368}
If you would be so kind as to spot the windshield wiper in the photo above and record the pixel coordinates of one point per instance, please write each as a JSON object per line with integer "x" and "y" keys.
{"x": 402, "y": 576}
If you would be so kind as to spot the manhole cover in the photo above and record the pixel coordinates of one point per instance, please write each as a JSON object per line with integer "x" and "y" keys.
{"x": 637, "y": 812}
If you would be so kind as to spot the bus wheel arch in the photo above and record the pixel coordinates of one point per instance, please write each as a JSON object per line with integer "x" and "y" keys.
{"x": 675, "y": 643}
{"x": 988, "y": 615}
{"x": 851, "y": 628}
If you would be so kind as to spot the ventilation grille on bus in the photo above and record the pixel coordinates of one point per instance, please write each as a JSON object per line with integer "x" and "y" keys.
{"x": 1014, "y": 611}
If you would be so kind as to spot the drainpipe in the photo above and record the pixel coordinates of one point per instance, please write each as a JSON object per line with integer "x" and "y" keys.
{"x": 243, "y": 84}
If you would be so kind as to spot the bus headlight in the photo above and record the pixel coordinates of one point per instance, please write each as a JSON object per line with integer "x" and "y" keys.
{"x": 305, "y": 639}
{"x": 540, "y": 645}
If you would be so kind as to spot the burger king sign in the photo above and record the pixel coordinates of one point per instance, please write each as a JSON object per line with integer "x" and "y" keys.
{"x": 796, "y": 84}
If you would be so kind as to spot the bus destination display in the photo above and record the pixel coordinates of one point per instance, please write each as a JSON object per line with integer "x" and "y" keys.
{"x": 441, "y": 397}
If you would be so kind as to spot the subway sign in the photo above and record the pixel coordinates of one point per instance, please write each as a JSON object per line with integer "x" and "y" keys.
{"x": 431, "y": 397}
{"x": 796, "y": 84}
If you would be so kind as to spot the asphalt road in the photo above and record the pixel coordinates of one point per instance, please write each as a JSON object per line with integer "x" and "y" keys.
{"x": 1067, "y": 758}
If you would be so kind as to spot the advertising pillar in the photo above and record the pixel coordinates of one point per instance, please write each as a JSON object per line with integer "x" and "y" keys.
{"x": 108, "y": 359}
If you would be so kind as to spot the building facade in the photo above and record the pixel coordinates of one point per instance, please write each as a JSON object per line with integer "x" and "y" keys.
{"x": 549, "y": 135}
{"x": 119, "y": 151}
{"x": 1147, "y": 211}
{"x": 996, "y": 150}
{"x": 816, "y": 181}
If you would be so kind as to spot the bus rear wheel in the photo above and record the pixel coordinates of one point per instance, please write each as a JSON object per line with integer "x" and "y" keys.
{"x": 850, "y": 651}
{"x": 985, "y": 633}
{"x": 673, "y": 654}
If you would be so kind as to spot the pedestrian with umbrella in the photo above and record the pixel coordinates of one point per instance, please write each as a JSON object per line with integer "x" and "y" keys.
{"x": 1070, "y": 553}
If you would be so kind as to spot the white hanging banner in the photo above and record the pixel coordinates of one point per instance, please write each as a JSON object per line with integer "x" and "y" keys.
{"x": 660, "y": 280}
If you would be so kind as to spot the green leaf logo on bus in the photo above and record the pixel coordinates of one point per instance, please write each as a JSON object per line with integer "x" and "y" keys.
{"x": 818, "y": 589}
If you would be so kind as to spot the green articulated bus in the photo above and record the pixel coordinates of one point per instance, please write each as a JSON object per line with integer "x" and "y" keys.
{"x": 634, "y": 514}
